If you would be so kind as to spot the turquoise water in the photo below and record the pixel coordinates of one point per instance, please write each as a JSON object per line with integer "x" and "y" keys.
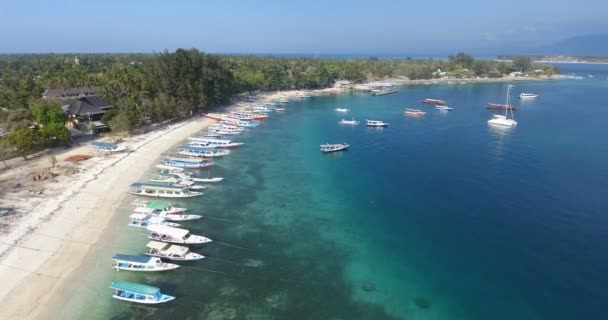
{"x": 440, "y": 217}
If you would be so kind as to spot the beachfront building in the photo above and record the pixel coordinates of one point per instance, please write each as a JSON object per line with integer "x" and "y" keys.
{"x": 70, "y": 93}
{"x": 88, "y": 110}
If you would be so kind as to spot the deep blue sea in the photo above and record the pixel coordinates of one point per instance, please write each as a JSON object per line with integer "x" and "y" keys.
{"x": 440, "y": 217}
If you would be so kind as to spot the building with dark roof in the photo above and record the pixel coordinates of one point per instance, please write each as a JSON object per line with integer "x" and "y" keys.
{"x": 88, "y": 110}
{"x": 70, "y": 93}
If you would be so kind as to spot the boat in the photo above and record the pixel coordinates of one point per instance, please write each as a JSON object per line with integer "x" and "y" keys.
{"x": 279, "y": 109}
{"x": 443, "y": 108}
{"x": 106, "y": 147}
{"x": 525, "y": 96}
{"x": 156, "y": 207}
{"x": 162, "y": 191}
{"x": 327, "y": 148}
{"x": 414, "y": 112}
{"x": 209, "y": 134}
{"x": 248, "y": 116}
{"x": 201, "y": 152}
{"x": 171, "y": 252}
{"x": 140, "y": 263}
{"x": 209, "y": 178}
{"x": 175, "y": 235}
{"x": 384, "y": 91}
{"x": 352, "y": 122}
{"x": 216, "y": 143}
{"x": 139, "y": 293}
{"x": 189, "y": 163}
{"x": 342, "y": 110}
{"x": 238, "y": 123}
{"x": 173, "y": 180}
{"x": 144, "y": 220}
{"x": 376, "y": 123}
{"x": 503, "y": 120}
{"x": 434, "y": 102}
{"x": 498, "y": 106}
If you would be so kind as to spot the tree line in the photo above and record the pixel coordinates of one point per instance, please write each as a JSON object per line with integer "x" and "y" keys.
{"x": 156, "y": 87}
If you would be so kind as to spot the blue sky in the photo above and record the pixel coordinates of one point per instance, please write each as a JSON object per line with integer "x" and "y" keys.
{"x": 313, "y": 26}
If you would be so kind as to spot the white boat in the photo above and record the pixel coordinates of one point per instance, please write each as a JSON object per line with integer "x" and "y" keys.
{"x": 139, "y": 293}
{"x": 175, "y": 235}
{"x": 376, "y": 123}
{"x": 201, "y": 152}
{"x": 165, "y": 211}
{"x": 216, "y": 143}
{"x": 144, "y": 220}
{"x": 140, "y": 263}
{"x": 352, "y": 122}
{"x": 171, "y": 252}
{"x": 503, "y": 120}
{"x": 327, "y": 148}
{"x": 342, "y": 110}
{"x": 528, "y": 96}
{"x": 162, "y": 191}
{"x": 173, "y": 180}
{"x": 443, "y": 108}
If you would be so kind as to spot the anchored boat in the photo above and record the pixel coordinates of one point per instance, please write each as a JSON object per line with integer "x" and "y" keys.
{"x": 414, "y": 112}
{"x": 144, "y": 220}
{"x": 327, "y": 148}
{"x": 201, "y": 152}
{"x": 376, "y": 123}
{"x": 165, "y": 211}
{"x": 434, "y": 102}
{"x": 140, "y": 263}
{"x": 162, "y": 191}
{"x": 175, "y": 235}
{"x": 139, "y": 293}
{"x": 172, "y": 252}
{"x": 352, "y": 122}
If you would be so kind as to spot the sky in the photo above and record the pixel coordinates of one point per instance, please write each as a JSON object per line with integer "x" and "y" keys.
{"x": 431, "y": 27}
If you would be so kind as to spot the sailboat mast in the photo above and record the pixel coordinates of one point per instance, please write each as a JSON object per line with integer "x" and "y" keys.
{"x": 510, "y": 107}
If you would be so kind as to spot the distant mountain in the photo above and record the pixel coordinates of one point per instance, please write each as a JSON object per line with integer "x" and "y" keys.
{"x": 585, "y": 45}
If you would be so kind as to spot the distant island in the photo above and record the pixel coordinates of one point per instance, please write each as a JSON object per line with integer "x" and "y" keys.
{"x": 558, "y": 59}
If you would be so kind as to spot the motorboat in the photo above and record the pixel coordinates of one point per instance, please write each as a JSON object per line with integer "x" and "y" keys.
{"x": 139, "y": 293}
{"x": 352, "y": 122}
{"x": 327, "y": 148}
{"x": 414, "y": 112}
{"x": 144, "y": 220}
{"x": 162, "y": 191}
{"x": 171, "y": 252}
{"x": 443, "y": 108}
{"x": 376, "y": 123}
{"x": 525, "y": 96}
{"x": 140, "y": 263}
{"x": 175, "y": 235}
{"x": 342, "y": 110}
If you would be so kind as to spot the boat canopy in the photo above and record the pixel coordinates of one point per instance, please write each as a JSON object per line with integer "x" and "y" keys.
{"x": 157, "y": 205}
{"x": 135, "y": 288}
{"x": 178, "y": 250}
{"x": 157, "y": 245}
{"x": 130, "y": 258}
{"x": 104, "y": 145}
{"x": 176, "y": 233}
{"x": 155, "y": 186}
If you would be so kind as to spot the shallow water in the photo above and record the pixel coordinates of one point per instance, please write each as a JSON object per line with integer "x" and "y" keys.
{"x": 440, "y": 217}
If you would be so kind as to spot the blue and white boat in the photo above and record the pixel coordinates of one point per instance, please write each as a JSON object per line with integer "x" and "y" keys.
{"x": 187, "y": 163}
{"x": 201, "y": 152}
{"x": 143, "y": 220}
{"x": 139, "y": 293}
{"x": 141, "y": 263}
{"x": 162, "y": 191}
{"x": 106, "y": 147}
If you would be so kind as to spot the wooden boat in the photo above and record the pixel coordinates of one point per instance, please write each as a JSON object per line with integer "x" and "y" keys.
{"x": 216, "y": 143}
{"x": 172, "y": 252}
{"x": 249, "y": 116}
{"x": 139, "y": 293}
{"x": 106, "y": 147}
{"x": 352, "y": 122}
{"x": 239, "y": 123}
{"x": 190, "y": 163}
{"x": 201, "y": 152}
{"x": 414, "y": 112}
{"x": 434, "y": 102}
{"x": 165, "y": 211}
{"x": 175, "y": 235}
{"x": 173, "y": 180}
{"x": 327, "y": 148}
{"x": 140, "y": 263}
{"x": 162, "y": 191}
{"x": 144, "y": 220}
{"x": 498, "y": 106}
{"x": 376, "y": 123}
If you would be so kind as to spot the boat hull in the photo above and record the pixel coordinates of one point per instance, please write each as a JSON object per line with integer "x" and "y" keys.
{"x": 165, "y": 298}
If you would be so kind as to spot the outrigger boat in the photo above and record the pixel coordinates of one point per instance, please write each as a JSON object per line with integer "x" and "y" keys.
{"x": 182, "y": 175}
{"x": 201, "y": 152}
{"x": 106, "y": 147}
{"x": 238, "y": 123}
{"x": 352, "y": 122}
{"x": 376, "y": 123}
{"x": 327, "y": 148}
{"x": 172, "y": 180}
{"x": 167, "y": 213}
{"x": 162, "y": 191}
{"x": 144, "y": 220}
{"x": 434, "y": 102}
{"x": 414, "y": 112}
{"x": 139, "y": 293}
{"x": 140, "y": 263}
{"x": 175, "y": 235}
{"x": 187, "y": 163}
{"x": 216, "y": 143}
{"x": 248, "y": 116}
{"x": 172, "y": 252}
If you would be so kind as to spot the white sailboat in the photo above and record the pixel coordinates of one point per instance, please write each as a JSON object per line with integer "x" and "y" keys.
{"x": 503, "y": 120}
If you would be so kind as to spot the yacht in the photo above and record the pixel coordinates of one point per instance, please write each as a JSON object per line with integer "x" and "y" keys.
{"x": 503, "y": 120}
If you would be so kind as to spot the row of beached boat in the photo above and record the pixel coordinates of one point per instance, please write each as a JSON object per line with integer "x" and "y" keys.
{"x": 168, "y": 240}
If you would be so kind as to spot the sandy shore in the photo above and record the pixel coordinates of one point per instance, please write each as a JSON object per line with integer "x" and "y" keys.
{"x": 55, "y": 235}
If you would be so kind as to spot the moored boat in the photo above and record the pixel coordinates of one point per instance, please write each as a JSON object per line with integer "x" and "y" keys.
{"x": 140, "y": 263}
{"x": 498, "y": 106}
{"x": 443, "y": 108}
{"x": 175, "y": 235}
{"x": 216, "y": 143}
{"x": 435, "y": 102}
{"x": 376, "y": 123}
{"x": 139, "y": 293}
{"x": 342, "y": 110}
{"x": 327, "y": 148}
{"x": 414, "y": 112}
{"x": 144, "y": 220}
{"x": 191, "y": 163}
{"x": 171, "y": 252}
{"x": 162, "y": 191}
{"x": 525, "y": 96}
{"x": 201, "y": 152}
{"x": 165, "y": 210}
{"x": 352, "y": 122}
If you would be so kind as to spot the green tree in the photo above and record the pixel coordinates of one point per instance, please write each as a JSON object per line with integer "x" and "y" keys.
{"x": 123, "y": 122}
{"x": 48, "y": 112}
{"x": 462, "y": 59}
{"x": 55, "y": 134}
{"x": 522, "y": 64}
{"x": 24, "y": 141}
